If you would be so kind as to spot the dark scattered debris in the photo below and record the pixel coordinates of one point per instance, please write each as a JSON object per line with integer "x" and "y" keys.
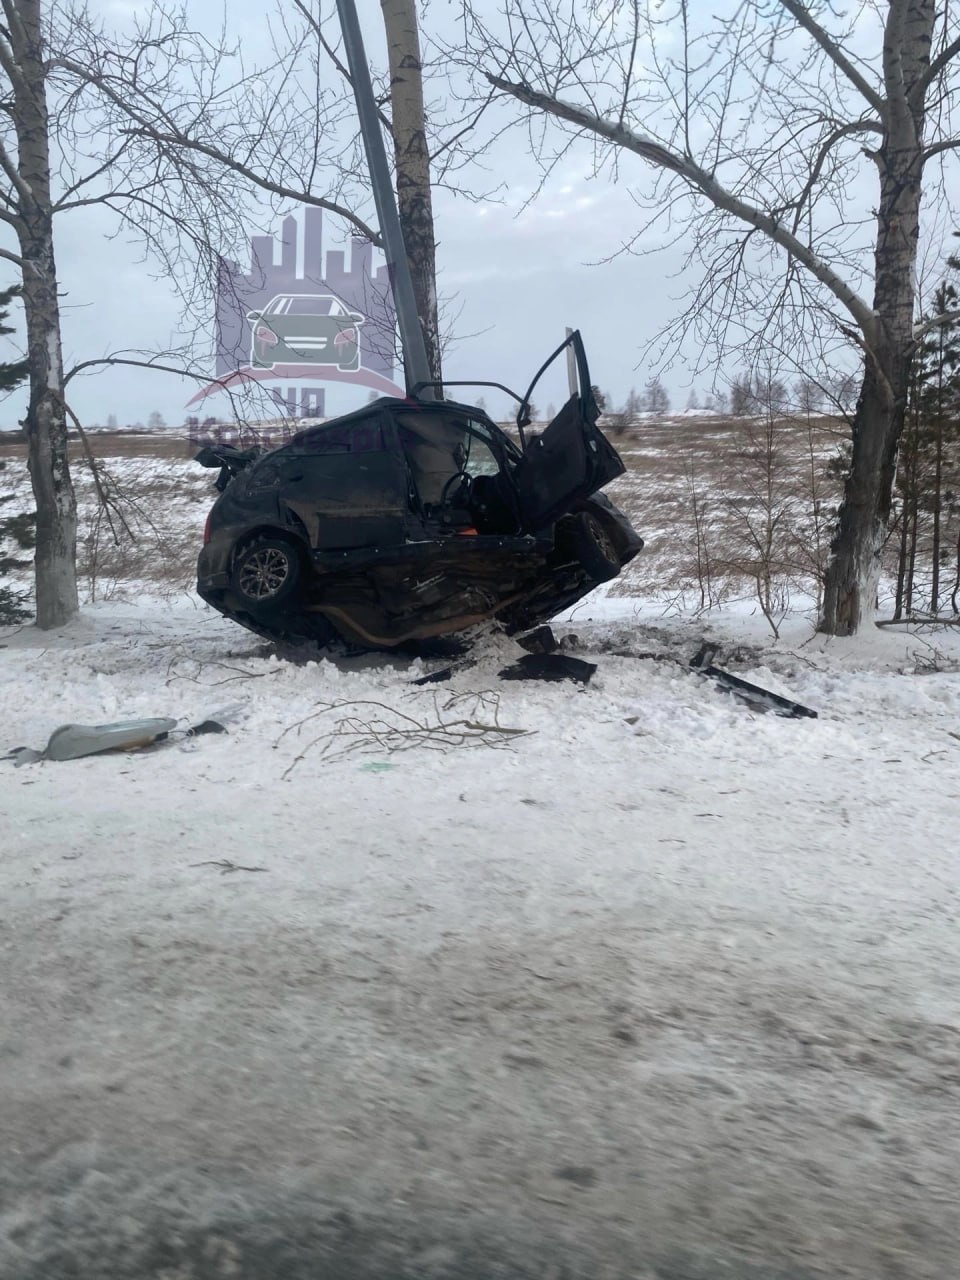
{"x": 542, "y": 640}
{"x": 435, "y": 677}
{"x": 226, "y": 866}
{"x": 551, "y": 667}
{"x": 752, "y": 695}
{"x": 206, "y": 726}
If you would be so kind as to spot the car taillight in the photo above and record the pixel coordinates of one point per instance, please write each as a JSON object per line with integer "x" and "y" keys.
{"x": 206, "y": 527}
{"x": 267, "y": 336}
{"x": 345, "y": 336}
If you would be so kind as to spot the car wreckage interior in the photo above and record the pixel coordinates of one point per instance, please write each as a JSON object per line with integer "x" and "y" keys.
{"x": 415, "y": 518}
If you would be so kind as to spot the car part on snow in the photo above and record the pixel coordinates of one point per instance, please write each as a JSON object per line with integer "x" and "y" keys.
{"x": 752, "y": 695}
{"x": 552, "y": 667}
{"x": 540, "y": 640}
{"x": 74, "y": 741}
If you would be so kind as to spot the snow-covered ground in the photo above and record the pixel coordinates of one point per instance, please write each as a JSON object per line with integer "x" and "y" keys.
{"x": 661, "y": 989}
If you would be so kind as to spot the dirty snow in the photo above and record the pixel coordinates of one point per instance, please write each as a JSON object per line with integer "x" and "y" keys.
{"x": 663, "y": 989}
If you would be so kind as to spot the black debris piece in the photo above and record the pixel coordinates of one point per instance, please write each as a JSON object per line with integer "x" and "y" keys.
{"x": 751, "y": 695}
{"x": 540, "y": 641}
{"x": 551, "y": 667}
{"x": 435, "y": 677}
{"x": 206, "y": 726}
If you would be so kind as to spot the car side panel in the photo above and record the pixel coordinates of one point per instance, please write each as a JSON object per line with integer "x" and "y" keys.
{"x": 348, "y": 500}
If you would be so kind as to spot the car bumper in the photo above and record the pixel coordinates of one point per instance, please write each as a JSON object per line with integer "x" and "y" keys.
{"x": 213, "y": 568}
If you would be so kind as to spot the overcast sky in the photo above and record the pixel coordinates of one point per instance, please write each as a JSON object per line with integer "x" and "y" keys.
{"x": 514, "y": 273}
{"x": 513, "y": 278}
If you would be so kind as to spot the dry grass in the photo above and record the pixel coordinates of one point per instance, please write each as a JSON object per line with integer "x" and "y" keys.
{"x": 729, "y": 509}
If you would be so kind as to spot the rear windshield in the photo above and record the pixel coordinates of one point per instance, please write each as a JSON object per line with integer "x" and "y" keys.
{"x": 312, "y": 307}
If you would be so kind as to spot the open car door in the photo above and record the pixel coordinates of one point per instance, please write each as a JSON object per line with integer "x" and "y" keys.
{"x": 571, "y": 459}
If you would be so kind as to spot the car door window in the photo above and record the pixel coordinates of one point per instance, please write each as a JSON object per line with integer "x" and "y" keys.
{"x": 479, "y": 458}
{"x": 439, "y": 446}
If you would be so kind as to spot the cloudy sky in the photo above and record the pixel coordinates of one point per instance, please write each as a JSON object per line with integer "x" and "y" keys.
{"x": 513, "y": 275}
{"x": 512, "y": 278}
{"x": 514, "y": 272}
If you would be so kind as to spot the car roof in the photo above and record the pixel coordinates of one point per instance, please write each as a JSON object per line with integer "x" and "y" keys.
{"x": 396, "y": 405}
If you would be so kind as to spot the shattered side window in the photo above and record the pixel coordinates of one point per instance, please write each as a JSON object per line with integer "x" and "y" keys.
{"x": 439, "y": 446}
{"x": 479, "y": 459}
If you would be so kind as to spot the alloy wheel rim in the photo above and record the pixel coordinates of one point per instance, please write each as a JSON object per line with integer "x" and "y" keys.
{"x": 603, "y": 539}
{"x": 263, "y": 573}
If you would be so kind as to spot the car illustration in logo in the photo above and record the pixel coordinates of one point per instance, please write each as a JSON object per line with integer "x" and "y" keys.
{"x": 305, "y": 328}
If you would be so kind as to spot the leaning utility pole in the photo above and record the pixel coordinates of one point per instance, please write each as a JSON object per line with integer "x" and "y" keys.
{"x": 416, "y": 366}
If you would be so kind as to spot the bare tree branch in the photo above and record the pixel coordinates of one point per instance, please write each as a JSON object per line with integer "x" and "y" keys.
{"x": 841, "y": 132}
{"x": 172, "y": 137}
{"x": 936, "y": 322}
{"x": 938, "y": 65}
{"x": 140, "y": 364}
{"x": 937, "y": 148}
{"x": 704, "y": 182}
{"x": 802, "y": 15}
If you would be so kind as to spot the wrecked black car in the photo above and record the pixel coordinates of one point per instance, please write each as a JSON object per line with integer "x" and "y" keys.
{"x": 411, "y": 519}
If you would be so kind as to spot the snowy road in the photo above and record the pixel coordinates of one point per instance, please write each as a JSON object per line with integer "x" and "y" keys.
{"x": 665, "y": 990}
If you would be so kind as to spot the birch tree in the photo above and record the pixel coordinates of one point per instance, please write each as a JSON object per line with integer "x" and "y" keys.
{"x": 794, "y": 146}
{"x": 26, "y": 206}
{"x": 181, "y": 143}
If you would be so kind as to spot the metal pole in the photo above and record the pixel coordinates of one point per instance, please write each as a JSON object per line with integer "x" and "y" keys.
{"x": 415, "y": 366}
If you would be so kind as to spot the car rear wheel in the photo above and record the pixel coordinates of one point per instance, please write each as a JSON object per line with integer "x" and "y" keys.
{"x": 266, "y": 572}
{"x": 594, "y": 546}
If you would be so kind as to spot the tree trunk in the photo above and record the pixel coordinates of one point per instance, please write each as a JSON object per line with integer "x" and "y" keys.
{"x": 901, "y": 565}
{"x": 46, "y": 424}
{"x": 937, "y": 485}
{"x": 854, "y": 570}
{"x": 414, "y": 197}
{"x": 912, "y": 550}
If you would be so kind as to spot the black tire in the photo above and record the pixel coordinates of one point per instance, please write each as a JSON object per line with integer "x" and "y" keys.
{"x": 266, "y": 572}
{"x": 594, "y": 546}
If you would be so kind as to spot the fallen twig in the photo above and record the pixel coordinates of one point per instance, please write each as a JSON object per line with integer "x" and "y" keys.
{"x": 387, "y": 729}
{"x": 240, "y": 674}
